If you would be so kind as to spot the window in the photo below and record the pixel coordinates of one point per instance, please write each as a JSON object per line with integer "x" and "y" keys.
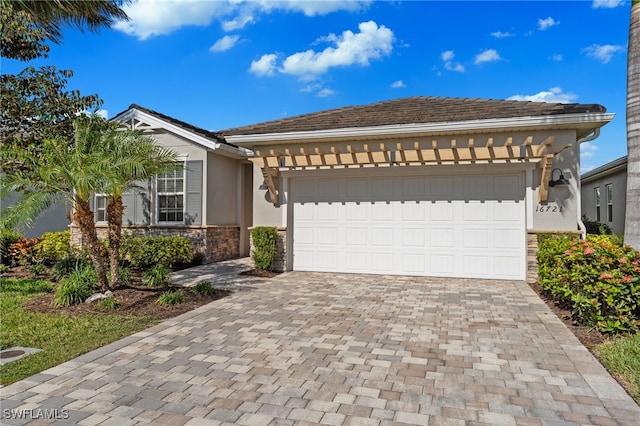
{"x": 170, "y": 196}
{"x": 597, "y": 193}
{"x": 100, "y": 209}
{"x": 609, "y": 203}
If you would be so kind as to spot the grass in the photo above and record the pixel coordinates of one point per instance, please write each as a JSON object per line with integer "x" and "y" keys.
{"x": 621, "y": 356}
{"x": 61, "y": 337}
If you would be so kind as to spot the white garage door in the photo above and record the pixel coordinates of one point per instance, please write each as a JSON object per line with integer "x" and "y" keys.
{"x": 450, "y": 226}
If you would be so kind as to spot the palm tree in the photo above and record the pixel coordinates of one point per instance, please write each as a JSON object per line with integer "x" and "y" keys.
{"x": 52, "y": 15}
{"x": 74, "y": 171}
{"x": 135, "y": 158}
{"x": 632, "y": 215}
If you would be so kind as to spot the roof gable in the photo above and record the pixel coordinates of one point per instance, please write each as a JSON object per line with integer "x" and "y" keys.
{"x": 414, "y": 110}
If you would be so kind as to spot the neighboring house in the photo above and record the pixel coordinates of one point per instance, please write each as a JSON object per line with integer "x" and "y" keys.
{"x": 604, "y": 194}
{"x": 419, "y": 186}
{"x": 55, "y": 218}
{"x": 208, "y": 201}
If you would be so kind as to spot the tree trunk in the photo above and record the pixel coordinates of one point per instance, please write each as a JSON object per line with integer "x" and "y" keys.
{"x": 632, "y": 215}
{"x": 115, "y": 209}
{"x": 83, "y": 216}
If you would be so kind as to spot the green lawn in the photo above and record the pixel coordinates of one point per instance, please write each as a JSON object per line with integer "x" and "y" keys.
{"x": 61, "y": 337}
{"x": 621, "y": 356}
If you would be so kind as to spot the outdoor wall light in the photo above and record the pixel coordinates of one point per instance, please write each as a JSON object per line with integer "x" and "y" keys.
{"x": 561, "y": 179}
{"x": 263, "y": 186}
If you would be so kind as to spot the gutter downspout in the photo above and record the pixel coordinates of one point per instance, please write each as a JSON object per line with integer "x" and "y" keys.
{"x": 583, "y": 229}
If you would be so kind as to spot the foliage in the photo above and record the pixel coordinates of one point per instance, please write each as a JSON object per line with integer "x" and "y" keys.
{"x": 158, "y": 276}
{"x": 7, "y": 238}
{"x": 264, "y": 242}
{"x": 596, "y": 228}
{"x": 23, "y": 251}
{"x": 76, "y": 288}
{"x": 61, "y": 337}
{"x": 599, "y": 278}
{"x": 621, "y": 356}
{"x": 4, "y": 268}
{"x": 144, "y": 252}
{"x": 204, "y": 288}
{"x": 54, "y": 246}
{"x": 37, "y": 270}
{"x": 109, "y": 303}
{"x": 171, "y": 298}
{"x": 67, "y": 265}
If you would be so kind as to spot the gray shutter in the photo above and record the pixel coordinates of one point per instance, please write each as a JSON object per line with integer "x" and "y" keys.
{"x": 137, "y": 205}
{"x": 129, "y": 214}
{"x": 193, "y": 202}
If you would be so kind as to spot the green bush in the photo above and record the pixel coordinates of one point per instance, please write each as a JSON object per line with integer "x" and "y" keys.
{"x": 264, "y": 243}
{"x": 171, "y": 298}
{"x": 598, "y": 277}
{"x": 76, "y": 288}
{"x": 109, "y": 303}
{"x": 69, "y": 264}
{"x": 204, "y": 288}
{"x": 595, "y": 228}
{"x": 7, "y": 238}
{"x": 55, "y": 246}
{"x": 144, "y": 252}
{"x": 158, "y": 276}
{"x": 36, "y": 270}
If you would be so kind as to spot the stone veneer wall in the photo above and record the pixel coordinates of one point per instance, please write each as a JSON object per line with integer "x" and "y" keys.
{"x": 280, "y": 264}
{"x": 216, "y": 243}
{"x": 532, "y": 261}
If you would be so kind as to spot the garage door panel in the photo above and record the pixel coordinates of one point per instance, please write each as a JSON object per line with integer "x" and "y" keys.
{"x": 454, "y": 226}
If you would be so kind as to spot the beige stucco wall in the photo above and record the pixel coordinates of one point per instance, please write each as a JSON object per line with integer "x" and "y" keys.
{"x": 264, "y": 212}
{"x": 222, "y": 190}
{"x": 180, "y": 145}
{"x": 618, "y": 181}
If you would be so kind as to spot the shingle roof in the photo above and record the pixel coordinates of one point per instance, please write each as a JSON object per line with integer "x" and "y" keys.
{"x": 186, "y": 126}
{"x": 414, "y": 110}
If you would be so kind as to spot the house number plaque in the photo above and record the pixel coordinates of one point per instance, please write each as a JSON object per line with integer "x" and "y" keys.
{"x": 548, "y": 209}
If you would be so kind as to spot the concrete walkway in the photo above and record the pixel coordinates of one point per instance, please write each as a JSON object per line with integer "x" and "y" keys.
{"x": 310, "y": 348}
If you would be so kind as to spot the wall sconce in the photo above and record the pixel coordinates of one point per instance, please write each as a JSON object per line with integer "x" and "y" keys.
{"x": 263, "y": 186}
{"x": 561, "y": 179}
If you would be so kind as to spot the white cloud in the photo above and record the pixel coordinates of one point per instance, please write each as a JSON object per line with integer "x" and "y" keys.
{"x": 558, "y": 57}
{"x": 602, "y": 53}
{"x": 161, "y": 17}
{"x": 398, "y": 84}
{"x": 500, "y": 34}
{"x": 489, "y": 55}
{"x": 266, "y": 65}
{"x": 103, "y": 113}
{"x": 587, "y": 150}
{"x": 549, "y": 22}
{"x": 606, "y": 4}
{"x": 325, "y": 93}
{"x": 447, "y": 57}
{"x": 224, "y": 44}
{"x": 555, "y": 94}
{"x": 372, "y": 42}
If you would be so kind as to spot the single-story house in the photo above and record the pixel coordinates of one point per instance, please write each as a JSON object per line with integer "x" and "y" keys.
{"x": 208, "y": 201}
{"x": 423, "y": 186}
{"x": 604, "y": 194}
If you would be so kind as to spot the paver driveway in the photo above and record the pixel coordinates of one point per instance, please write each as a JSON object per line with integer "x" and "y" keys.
{"x": 341, "y": 349}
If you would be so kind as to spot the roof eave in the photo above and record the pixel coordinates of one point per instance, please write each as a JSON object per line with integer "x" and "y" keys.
{"x": 605, "y": 170}
{"x": 583, "y": 123}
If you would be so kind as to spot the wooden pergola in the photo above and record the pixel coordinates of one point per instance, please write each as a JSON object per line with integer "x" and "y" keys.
{"x": 316, "y": 155}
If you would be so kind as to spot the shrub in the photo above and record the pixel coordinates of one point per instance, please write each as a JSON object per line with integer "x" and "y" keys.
{"x": 204, "y": 288}
{"x": 4, "y": 268}
{"x": 55, "y": 246}
{"x": 69, "y": 264}
{"x": 76, "y": 288}
{"x": 23, "y": 251}
{"x": 36, "y": 270}
{"x": 170, "y": 298}
{"x": 144, "y": 252}
{"x": 598, "y": 277}
{"x": 264, "y": 242}
{"x": 595, "y": 228}
{"x": 158, "y": 276}
{"x": 109, "y": 303}
{"x": 7, "y": 238}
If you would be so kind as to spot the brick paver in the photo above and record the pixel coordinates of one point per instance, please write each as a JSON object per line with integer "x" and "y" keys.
{"x": 338, "y": 349}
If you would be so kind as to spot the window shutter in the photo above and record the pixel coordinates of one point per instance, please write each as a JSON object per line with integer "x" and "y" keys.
{"x": 193, "y": 202}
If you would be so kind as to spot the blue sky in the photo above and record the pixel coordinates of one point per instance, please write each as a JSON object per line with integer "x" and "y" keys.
{"x": 222, "y": 64}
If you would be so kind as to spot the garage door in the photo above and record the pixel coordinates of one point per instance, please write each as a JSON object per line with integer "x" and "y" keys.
{"x": 450, "y": 226}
